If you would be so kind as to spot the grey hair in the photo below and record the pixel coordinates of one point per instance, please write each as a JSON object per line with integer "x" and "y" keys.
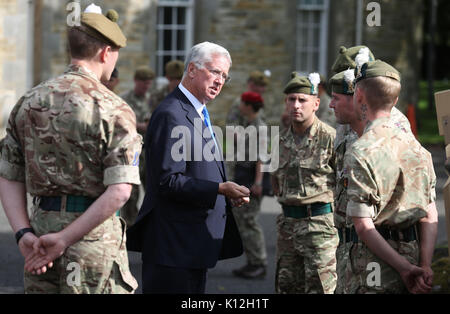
{"x": 204, "y": 52}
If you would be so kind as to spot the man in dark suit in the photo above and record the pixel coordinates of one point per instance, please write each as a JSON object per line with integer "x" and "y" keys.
{"x": 185, "y": 223}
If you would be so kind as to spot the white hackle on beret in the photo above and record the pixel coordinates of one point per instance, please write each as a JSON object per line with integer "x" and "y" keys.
{"x": 267, "y": 73}
{"x": 314, "y": 78}
{"x": 349, "y": 76}
{"x": 362, "y": 57}
{"x": 92, "y": 8}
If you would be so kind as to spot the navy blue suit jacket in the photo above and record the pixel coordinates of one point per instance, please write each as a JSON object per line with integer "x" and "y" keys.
{"x": 183, "y": 221}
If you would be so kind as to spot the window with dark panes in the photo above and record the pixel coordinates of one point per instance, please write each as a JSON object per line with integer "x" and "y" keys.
{"x": 312, "y": 36}
{"x": 175, "y": 31}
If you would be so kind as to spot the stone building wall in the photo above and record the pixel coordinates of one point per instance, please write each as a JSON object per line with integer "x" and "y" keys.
{"x": 260, "y": 35}
{"x": 135, "y": 18}
{"x": 397, "y": 41}
{"x": 14, "y": 48}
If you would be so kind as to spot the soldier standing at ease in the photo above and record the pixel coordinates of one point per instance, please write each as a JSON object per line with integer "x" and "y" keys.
{"x": 174, "y": 74}
{"x": 72, "y": 144}
{"x": 139, "y": 100}
{"x": 257, "y": 83}
{"x": 391, "y": 194}
{"x": 304, "y": 184}
{"x": 342, "y": 87}
{"x": 248, "y": 173}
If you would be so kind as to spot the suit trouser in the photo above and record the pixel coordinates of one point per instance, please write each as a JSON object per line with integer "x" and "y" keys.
{"x": 167, "y": 280}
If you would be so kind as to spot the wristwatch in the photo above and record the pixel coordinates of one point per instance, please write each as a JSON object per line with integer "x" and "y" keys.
{"x": 21, "y": 232}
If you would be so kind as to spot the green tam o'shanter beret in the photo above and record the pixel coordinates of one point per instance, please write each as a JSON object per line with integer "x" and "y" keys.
{"x": 260, "y": 78}
{"x": 103, "y": 27}
{"x": 302, "y": 84}
{"x": 343, "y": 82}
{"x": 175, "y": 69}
{"x": 348, "y": 58}
{"x": 377, "y": 68}
{"x": 144, "y": 73}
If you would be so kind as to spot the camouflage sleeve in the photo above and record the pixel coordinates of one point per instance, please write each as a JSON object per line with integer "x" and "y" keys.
{"x": 432, "y": 174}
{"x": 121, "y": 161}
{"x": 263, "y": 144}
{"x": 275, "y": 156}
{"x": 12, "y": 161}
{"x": 362, "y": 188}
{"x": 234, "y": 113}
{"x": 333, "y": 159}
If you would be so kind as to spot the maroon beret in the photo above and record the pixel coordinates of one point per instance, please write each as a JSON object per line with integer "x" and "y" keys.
{"x": 251, "y": 98}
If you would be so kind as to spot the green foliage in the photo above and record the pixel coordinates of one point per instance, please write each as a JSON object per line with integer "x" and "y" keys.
{"x": 427, "y": 119}
{"x": 441, "y": 279}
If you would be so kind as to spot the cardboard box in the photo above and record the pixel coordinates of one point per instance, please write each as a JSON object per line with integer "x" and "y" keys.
{"x": 446, "y": 193}
{"x": 443, "y": 118}
{"x": 443, "y": 110}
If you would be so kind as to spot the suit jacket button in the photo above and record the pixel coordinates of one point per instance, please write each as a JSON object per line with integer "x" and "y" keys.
{"x": 224, "y": 216}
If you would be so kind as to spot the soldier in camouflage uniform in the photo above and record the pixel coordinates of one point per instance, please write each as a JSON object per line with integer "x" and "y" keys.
{"x": 257, "y": 83}
{"x": 174, "y": 74}
{"x": 342, "y": 88}
{"x": 304, "y": 184}
{"x": 139, "y": 100}
{"x": 72, "y": 144}
{"x": 248, "y": 173}
{"x": 391, "y": 194}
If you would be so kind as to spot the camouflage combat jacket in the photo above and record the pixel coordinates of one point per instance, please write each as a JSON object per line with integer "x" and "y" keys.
{"x": 251, "y": 139}
{"x": 71, "y": 135}
{"x": 391, "y": 176}
{"x": 140, "y": 106}
{"x": 306, "y": 172}
{"x": 158, "y": 96}
{"x": 345, "y": 137}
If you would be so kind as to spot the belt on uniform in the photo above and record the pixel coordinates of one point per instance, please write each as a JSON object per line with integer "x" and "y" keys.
{"x": 305, "y": 211}
{"x": 405, "y": 235}
{"x": 73, "y": 203}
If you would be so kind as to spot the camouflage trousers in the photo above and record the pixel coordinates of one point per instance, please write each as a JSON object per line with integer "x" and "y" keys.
{"x": 251, "y": 232}
{"x": 306, "y": 255}
{"x": 342, "y": 258}
{"x": 368, "y": 274}
{"x": 98, "y": 263}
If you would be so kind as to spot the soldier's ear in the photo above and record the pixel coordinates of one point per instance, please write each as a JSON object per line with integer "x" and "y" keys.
{"x": 395, "y": 102}
{"x": 358, "y": 96}
{"x": 104, "y": 53}
{"x": 317, "y": 102}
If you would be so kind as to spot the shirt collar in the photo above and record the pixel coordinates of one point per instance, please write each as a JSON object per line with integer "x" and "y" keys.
{"x": 309, "y": 134}
{"x": 78, "y": 69}
{"x": 194, "y": 101}
{"x": 373, "y": 124}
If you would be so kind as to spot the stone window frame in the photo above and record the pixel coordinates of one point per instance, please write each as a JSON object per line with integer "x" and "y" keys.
{"x": 173, "y": 7}
{"x": 306, "y": 30}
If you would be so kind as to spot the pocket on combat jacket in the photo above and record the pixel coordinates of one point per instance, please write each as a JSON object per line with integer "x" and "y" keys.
{"x": 281, "y": 175}
{"x": 96, "y": 233}
{"x": 124, "y": 278}
{"x": 314, "y": 162}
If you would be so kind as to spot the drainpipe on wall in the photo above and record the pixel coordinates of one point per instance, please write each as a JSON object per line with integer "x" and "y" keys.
{"x": 30, "y": 45}
{"x": 359, "y": 22}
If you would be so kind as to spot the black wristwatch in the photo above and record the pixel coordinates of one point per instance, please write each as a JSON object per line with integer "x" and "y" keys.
{"x": 21, "y": 232}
